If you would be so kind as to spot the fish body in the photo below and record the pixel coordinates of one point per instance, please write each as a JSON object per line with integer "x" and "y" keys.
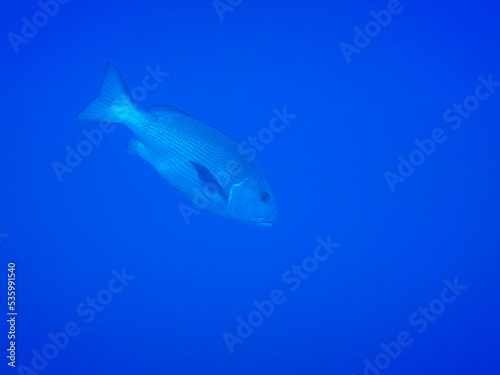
{"x": 200, "y": 161}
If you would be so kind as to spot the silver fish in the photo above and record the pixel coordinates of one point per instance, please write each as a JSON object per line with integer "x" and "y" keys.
{"x": 197, "y": 159}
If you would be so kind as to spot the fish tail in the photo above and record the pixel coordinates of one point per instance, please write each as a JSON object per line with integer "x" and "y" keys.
{"x": 113, "y": 103}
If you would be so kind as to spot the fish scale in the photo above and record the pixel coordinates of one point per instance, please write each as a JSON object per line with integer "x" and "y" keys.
{"x": 181, "y": 139}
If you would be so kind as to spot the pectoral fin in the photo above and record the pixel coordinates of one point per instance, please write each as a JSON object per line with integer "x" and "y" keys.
{"x": 208, "y": 178}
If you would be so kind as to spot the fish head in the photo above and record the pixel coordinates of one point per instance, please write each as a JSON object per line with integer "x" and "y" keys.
{"x": 251, "y": 200}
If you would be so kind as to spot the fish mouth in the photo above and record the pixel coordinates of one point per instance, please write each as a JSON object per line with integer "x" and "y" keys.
{"x": 265, "y": 224}
{"x": 262, "y": 222}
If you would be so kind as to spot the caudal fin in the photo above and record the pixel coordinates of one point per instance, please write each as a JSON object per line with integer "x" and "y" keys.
{"x": 113, "y": 103}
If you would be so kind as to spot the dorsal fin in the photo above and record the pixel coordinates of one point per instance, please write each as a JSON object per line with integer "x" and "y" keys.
{"x": 166, "y": 110}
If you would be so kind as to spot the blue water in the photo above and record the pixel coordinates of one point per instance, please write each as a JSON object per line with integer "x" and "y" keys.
{"x": 391, "y": 163}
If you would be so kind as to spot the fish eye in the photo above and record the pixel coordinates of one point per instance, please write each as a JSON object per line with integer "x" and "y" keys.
{"x": 264, "y": 197}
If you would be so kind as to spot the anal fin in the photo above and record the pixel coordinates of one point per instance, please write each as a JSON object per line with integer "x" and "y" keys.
{"x": 137, "y": 148}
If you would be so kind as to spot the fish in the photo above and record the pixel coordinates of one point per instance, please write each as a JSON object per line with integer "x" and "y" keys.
{"x": 200, "y": 161}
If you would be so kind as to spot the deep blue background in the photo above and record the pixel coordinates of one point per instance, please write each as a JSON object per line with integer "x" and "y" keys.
{"x": 326, "y": 171}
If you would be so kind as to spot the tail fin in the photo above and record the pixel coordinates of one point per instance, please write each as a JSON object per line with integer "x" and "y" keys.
{"x": 113, "y": 103}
